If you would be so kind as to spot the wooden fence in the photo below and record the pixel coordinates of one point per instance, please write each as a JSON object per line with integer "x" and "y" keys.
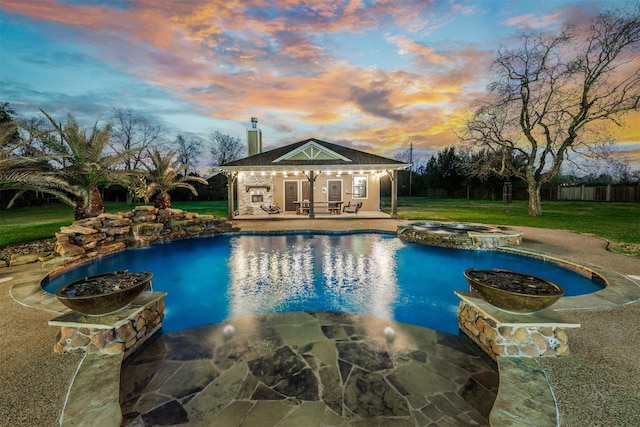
{"x": 600, "y": 193}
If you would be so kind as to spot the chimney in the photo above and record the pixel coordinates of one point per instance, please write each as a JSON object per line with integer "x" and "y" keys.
{"x": 254, "y": 138}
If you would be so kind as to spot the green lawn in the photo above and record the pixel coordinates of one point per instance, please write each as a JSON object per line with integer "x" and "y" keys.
{"x": 617, "y": 222}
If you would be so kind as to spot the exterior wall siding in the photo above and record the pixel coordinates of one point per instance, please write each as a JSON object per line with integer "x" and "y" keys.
{"x": 272, "y": 190}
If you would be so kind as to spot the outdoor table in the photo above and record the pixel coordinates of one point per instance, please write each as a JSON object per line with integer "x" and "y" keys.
{"x": 303, "y": 206}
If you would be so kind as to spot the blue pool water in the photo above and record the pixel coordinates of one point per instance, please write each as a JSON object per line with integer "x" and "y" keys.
{"x": 212, "y": 279}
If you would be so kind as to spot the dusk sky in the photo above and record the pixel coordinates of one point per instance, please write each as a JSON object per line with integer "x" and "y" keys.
{"x": 374, "y": 75}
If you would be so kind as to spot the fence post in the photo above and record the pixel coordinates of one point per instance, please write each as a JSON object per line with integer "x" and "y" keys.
{"x": 506, "y": 196}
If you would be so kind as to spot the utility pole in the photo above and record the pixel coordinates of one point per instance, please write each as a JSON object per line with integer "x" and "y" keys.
{"x": 410, "y": 167}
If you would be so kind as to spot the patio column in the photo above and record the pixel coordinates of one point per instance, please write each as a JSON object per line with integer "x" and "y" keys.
{"x": 230, "y": 183}
{"x": 312, "y": 179}
{"x": 394, "y": 194}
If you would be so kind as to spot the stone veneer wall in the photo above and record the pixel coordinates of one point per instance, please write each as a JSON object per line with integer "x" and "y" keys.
{"x": 257, "y": 184}
{"x": 124, "y": 337}
{"x": 107, "y": 233}
{"x": 514, "y": 341}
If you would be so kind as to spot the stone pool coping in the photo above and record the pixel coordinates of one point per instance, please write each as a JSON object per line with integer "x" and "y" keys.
{"x": 508, "y": 409}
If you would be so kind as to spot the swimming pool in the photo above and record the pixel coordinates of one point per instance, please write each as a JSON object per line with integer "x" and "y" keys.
{"x": 212, "y": 279}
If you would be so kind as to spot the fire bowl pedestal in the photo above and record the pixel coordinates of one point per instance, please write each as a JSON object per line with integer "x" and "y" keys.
{"x": 501, "y": 333}
{"x": 120, "y": 332}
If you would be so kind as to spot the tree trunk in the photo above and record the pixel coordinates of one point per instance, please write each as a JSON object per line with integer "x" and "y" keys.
{"x": 163, "y": 201}
{"x": 96, "y": 204}
{"x": 535, "y": 207}
{"x": 80, "y": 208}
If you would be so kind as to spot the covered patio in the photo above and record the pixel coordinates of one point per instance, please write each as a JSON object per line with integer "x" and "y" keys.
{"x": 311, "y": 179}
{"x": 292, "y": 216}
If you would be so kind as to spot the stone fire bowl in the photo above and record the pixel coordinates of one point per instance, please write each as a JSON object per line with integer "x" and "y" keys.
{"x": 514, "y": 291}
{"x": 103, "y": 301}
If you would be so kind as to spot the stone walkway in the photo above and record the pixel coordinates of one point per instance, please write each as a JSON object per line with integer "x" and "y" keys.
{"x": 307, "y": 369}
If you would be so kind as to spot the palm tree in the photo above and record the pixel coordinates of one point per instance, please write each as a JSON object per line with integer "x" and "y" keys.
{"x": 84, "y": 165}
{"x": 27, "y": 173}
{"x": 165, "y": 174}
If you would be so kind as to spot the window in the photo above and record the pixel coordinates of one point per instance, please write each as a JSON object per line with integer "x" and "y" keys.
{"x": 359, "y": 187}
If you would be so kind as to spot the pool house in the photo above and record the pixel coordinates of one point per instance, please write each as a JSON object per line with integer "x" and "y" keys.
{"x": 309, "y": 178}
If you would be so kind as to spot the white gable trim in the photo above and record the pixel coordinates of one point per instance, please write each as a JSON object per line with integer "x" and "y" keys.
{"x": 312, "y": 150}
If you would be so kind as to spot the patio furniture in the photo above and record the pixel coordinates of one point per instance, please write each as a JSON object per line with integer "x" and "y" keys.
{"x": 302, "y": 207}
{"x": 270, "y": 209}
{"x": 334, "y": 207}
{"x": 352, "y": 207}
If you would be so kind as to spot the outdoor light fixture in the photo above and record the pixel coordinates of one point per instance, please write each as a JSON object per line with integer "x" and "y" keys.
{"x": 273, "y": 173}
{"x": 262, "y": 173}
{"x": 295, "y": 173}
{"x": 251, "y": 173}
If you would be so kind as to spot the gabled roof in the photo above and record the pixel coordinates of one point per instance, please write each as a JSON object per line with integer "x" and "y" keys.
{"x": 314, "y": 153}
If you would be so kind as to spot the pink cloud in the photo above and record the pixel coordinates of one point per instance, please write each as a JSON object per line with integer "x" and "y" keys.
{"x": 532, "y": 21}
{"x": 236, "y": 58}
{"x": 409, "y": 46}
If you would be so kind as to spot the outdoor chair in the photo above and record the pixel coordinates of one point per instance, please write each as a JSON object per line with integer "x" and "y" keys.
{"x": 270, "y": 209}
{"x": 352, "y": 207}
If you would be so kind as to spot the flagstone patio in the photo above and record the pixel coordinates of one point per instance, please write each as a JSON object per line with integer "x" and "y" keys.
{"x": 308, "y": 369}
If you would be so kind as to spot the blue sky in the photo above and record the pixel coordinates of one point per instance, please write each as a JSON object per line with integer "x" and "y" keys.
{"x": 369, "y": 74}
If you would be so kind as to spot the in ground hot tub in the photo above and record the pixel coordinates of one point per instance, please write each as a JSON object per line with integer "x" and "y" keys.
{"x": 459, "y": 235}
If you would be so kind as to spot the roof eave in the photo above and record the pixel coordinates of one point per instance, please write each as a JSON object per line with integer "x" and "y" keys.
{"x": 352, "y": 167}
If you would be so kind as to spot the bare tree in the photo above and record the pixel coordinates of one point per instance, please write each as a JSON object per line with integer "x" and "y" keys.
{"x": 133, "y": 133}
{"x": 188, "y": 151}
{"x": 34, "y": 132}
{"x": 554, "y": 94}
{"x": 224, "y": 148}
{"x": 8, "y": 116}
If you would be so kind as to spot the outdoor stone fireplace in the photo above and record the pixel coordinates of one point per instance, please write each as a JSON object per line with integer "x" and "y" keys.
{"x": 255, "y": 190}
